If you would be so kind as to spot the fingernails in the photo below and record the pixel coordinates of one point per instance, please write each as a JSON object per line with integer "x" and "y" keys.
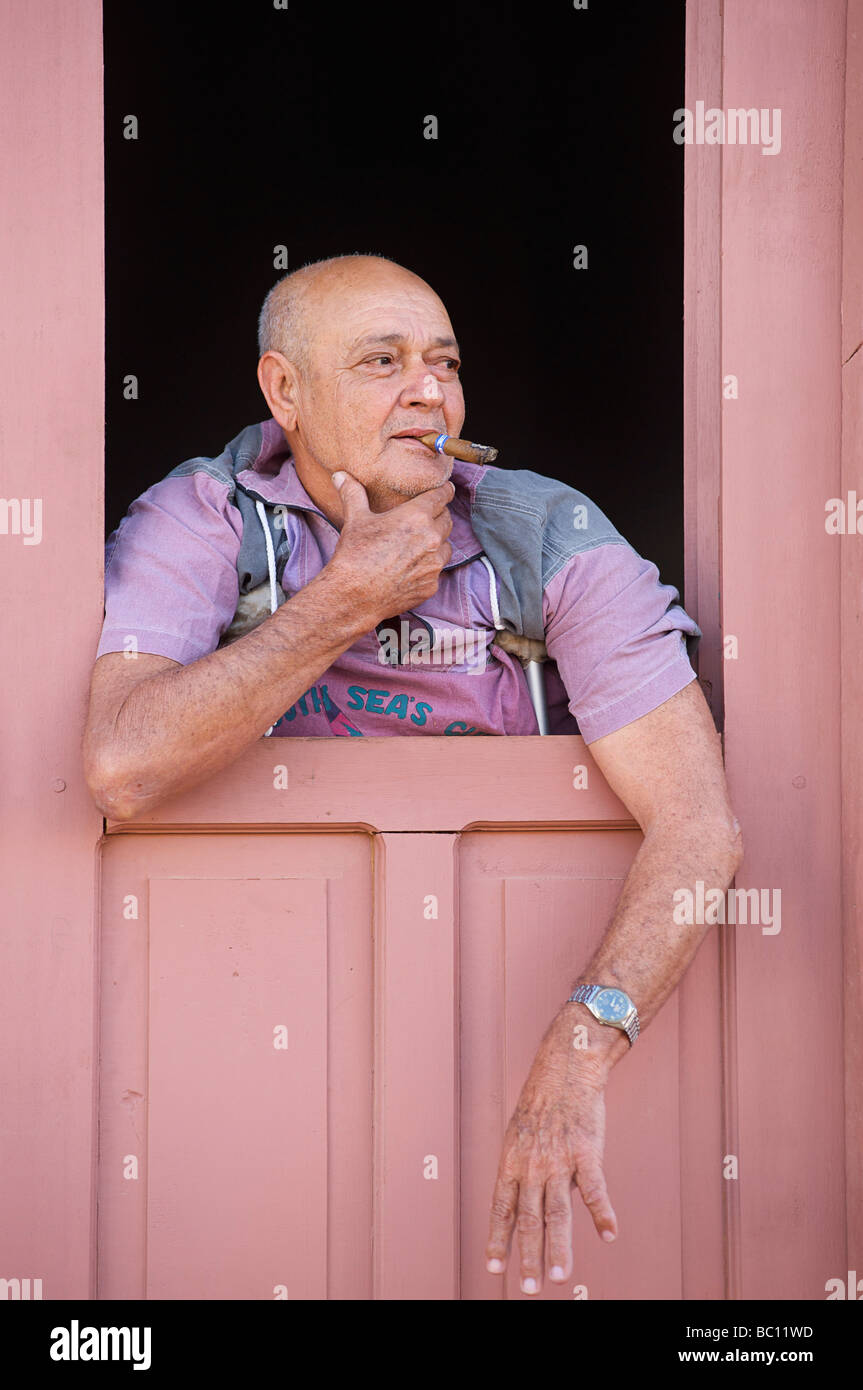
{"x": 556, "y": 1272}
{"x": 608, "y": 1235}
{"x": 495, "y": 1266}
{"x": 529, "y": 1286}
{"x": 338, "y": 479}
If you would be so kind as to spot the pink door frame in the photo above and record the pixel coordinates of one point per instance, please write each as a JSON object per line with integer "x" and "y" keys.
{"x": 52, "y": 398}
{"x": 850, "y": 600}
{"x": 769, "y": 301}
{"x": 773, "y": 278}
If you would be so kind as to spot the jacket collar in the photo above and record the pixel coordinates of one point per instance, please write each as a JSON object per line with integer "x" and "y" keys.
{"x": 273, "y": 477}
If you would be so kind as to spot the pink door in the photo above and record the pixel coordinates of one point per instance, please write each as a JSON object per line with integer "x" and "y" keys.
{"x": 312, "y": 1036}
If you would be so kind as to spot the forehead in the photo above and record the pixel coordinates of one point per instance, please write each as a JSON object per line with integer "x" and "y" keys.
{"x": 353, "y": 313}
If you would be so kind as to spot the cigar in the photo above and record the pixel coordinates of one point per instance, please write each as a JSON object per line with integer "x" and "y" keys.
{"x": 460, "y": 448}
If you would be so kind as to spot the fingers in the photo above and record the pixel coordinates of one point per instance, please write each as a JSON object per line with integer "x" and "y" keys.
{"x": 436, "y": 499}
{"x": 503, "y": 1207}
{"x": 542, "y": 1218}
{"x": 558, "y": 1226}
{"x": 445, "y": 554}
{"x": 531, "y": 1230}
{"x": 442, "y": 524}
{"x": 594, "y": 1193}
{"x": 353, "y": 495}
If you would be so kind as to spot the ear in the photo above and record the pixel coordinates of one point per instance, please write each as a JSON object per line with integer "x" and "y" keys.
{"x": 279, "y": 380}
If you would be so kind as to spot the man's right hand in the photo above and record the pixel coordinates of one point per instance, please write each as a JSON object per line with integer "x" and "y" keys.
{"x": 388, "y": 562}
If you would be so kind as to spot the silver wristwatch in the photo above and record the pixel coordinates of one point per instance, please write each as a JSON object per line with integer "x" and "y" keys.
{"x": 610, "y": 1006}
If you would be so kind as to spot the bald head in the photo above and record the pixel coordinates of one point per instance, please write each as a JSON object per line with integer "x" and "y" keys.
{"x": 286, "y": 323}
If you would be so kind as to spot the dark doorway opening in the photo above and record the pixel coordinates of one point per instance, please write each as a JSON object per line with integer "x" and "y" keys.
{"x": 304, "y": 127}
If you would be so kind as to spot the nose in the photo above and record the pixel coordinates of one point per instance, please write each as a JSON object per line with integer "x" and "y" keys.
{"x": 421, "y": 387}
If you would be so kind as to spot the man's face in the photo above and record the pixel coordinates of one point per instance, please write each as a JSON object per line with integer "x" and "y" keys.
{"x": 383, "y": 360}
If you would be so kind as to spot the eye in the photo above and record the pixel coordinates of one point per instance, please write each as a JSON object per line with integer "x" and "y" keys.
{"x": 384, "y": 357}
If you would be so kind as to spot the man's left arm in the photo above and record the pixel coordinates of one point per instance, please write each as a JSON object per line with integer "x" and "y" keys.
{"x": 667, "y": 769}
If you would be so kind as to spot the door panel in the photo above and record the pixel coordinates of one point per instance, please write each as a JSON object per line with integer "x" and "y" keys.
{"x": 232, "y": 1165}
{"x": 237, "y": 1124}
{"x": 533, "y": 908}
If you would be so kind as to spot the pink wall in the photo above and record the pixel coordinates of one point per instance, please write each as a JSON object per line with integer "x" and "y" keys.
{"x": 322, "y": 898}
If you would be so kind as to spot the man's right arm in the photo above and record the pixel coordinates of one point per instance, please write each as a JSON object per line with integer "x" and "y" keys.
{"x": 156, "y": 727}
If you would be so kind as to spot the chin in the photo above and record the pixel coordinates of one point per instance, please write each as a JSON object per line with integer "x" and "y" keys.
{"x": 429, "y": 475}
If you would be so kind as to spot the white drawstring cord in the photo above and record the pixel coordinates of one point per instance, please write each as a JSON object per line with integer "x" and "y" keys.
{"x": 271, "y": 569}
{"x": 532, "y": 669}
{"x": 492, "y": 590}
{"x": 271, "y": 555}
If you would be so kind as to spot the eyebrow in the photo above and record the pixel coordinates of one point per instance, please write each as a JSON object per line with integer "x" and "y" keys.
{"x": 393, "y": 338}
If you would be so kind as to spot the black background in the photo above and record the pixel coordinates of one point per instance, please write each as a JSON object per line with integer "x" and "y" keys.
{"x": 304, "y": 127}
{"x": 213, "y": 1338}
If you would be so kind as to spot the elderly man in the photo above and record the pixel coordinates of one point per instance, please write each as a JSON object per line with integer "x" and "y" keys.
{"x": 358, "y": 358}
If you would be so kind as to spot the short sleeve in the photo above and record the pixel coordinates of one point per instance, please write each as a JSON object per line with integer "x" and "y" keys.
{"x": 618, "y": 637}
{"x": 171, "y": 570}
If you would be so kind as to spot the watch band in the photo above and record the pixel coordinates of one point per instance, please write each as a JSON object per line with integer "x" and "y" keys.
{"x": 585, "y": 994}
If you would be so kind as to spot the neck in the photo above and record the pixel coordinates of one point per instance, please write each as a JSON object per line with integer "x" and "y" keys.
{"x": 318, "y": 483}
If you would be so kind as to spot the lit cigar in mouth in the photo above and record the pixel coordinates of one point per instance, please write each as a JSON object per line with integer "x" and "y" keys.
{"x": 459, "y": 448}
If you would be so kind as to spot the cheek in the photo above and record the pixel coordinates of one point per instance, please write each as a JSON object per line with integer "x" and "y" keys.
{"x": 454, "y": 409}
{"x": 361, "y": 406}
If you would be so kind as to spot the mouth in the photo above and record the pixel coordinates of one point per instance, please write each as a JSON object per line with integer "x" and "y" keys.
{"x": 412, "y": 436}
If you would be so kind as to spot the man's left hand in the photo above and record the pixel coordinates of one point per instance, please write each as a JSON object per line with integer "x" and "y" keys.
{"x": 556, "y": 1136}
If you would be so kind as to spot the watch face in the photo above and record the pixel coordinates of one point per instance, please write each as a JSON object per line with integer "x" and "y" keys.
{"x": 612, "y": 1005}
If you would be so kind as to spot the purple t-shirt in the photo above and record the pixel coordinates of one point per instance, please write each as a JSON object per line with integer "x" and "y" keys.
{"x": 614, "y": 633}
